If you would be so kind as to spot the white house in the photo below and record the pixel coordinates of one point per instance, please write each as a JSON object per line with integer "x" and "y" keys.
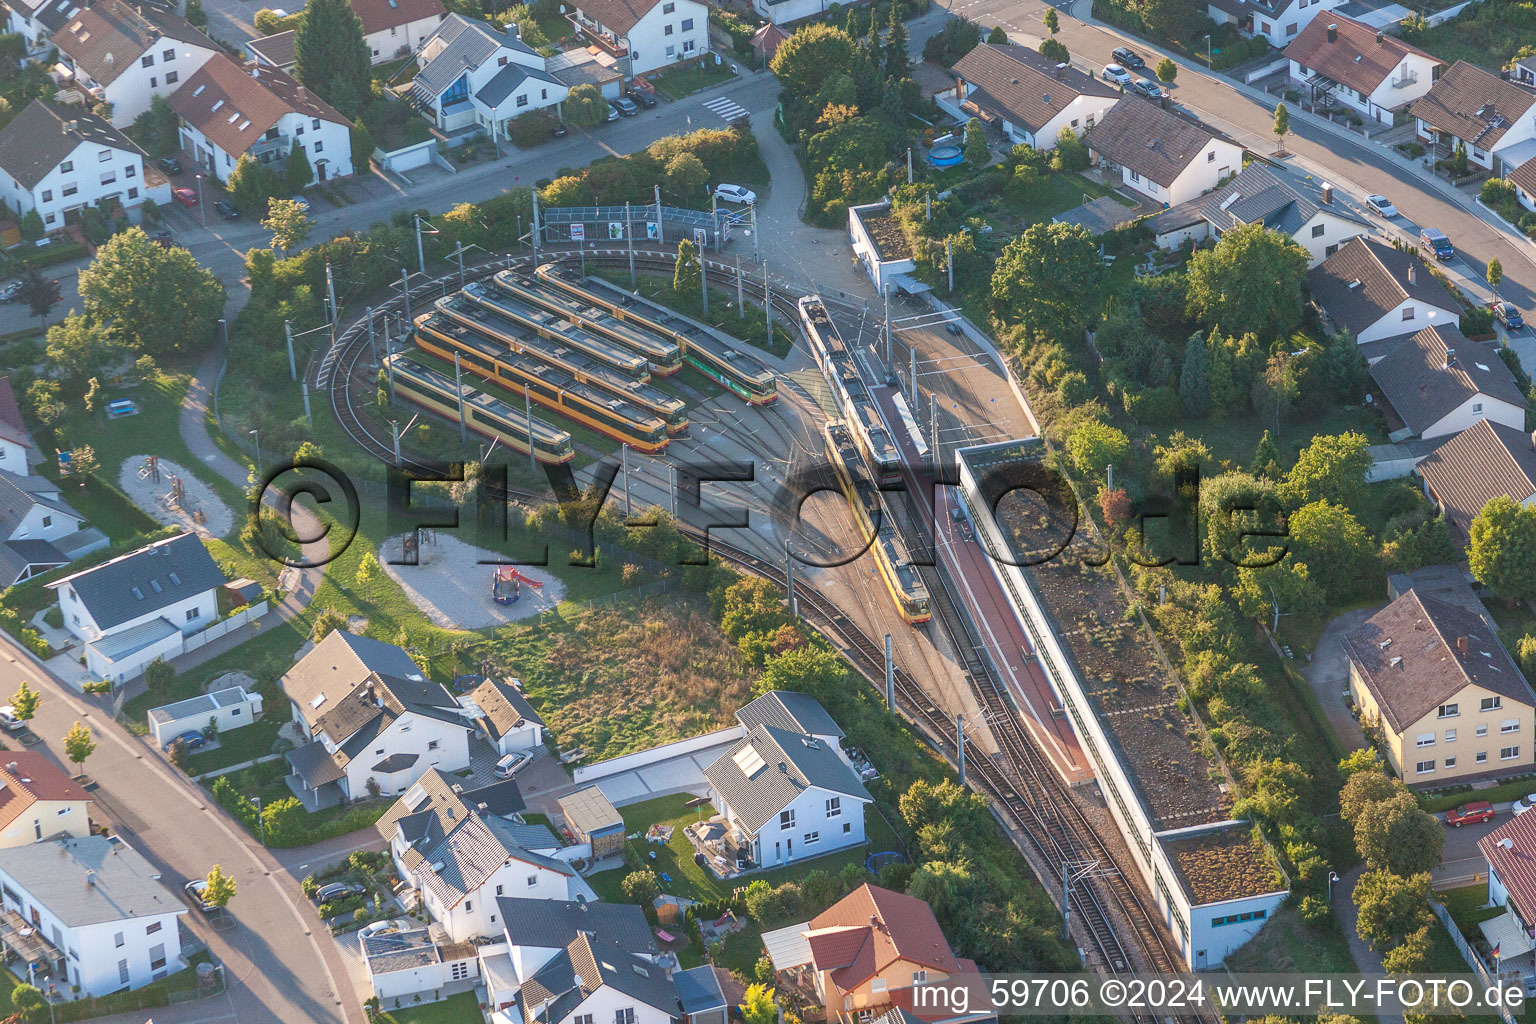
{"x": 39, "y": 530}
{"x": 1377, "y": 293}
{"x": 395, "y": 28}
{"x": 882, "y": 247}
{"x": 228, "y": 110}
{"x": 376, "y": 723}
{"x": 54, "y": 159}
{"x": 1508, "y": 851}
{"x": 127, "y": 53}
{"x": 504, "y": 716}
{"x": 1494, "y": 118}
{"x": 1361, "y": 67}
{"x": 787, "y": 796}
{"x": 1166, "y": 157}
{"x": 1482, "y": 462}
{"x": 651, "y": 34}
{"x": 1026, "y": 96}
{"x": 783, "y": 12}
{"x": 473, "y": 75}
{"x": 37, "y": 20}
{"x": 405, "y": 966}
{"x": 1258, "y": 196}
{"x": 90, "y": 912}
{"x": 793, "y": 711}
{"x": 1278, "y": 21}
{"x": 227, "y": 709}
{"x": 18, "y": 451}
{"x": 136, "y": 607}
{"x": 38, "y": 801}
{"x": 1438, "y": 383}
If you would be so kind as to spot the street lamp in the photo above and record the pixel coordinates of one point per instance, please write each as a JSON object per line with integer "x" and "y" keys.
{"x": 1208, "y": 51}
{"x": 260, "y": 822}
{"x": 202, "y": 207}
{"x": 257, "y": 435}
{"x": 224, "y": 331}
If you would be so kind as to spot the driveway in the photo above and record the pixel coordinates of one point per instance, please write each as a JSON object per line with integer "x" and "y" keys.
{"x": 1328, "y": 675}
{"x": 1460, "y": 863}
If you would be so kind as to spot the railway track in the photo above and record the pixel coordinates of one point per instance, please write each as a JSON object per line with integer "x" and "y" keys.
{"x": 1022, "y": 783}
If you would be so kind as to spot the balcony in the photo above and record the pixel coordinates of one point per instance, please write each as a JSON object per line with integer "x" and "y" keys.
{"x": 591, "y": 30}
{"x": 1407, "y": 78}
{"x": 268, "y": 150}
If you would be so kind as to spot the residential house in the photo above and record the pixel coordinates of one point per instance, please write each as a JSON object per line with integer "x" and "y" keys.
{"x": 226, "y": 709}
{"x": 1164, "y": 156}
{"x": 867, "y": 951}
{"x": 1510, "y": 853}
{"x": 1026, "y": 96}
{"x": 1378, "y": 293}
{"x": 395, "y": 28}
{"x": 1448, "y": 700}
{"x": 593, "y": 820}
{"x": 650, "y": 34}
{"x": 473, "y": 75}
{"x": 766, "y": 41}
{"x": 18, "y": 452}
{"x": 410, "y": 964}
{"x": 230, "y": 110}
{"x": 39, "y": 530}
{"x": 137, "y": 607}
{"x": 56, "y": 159}
{"x": 375, "y": 722}
{"x": 1483, "y": 462}
{"x": 37, "y": 20}
{"x": 787, "y": 796}
{"x": 1493, "y": 117}
{"x": 791, "y": 711}
{"x": 1438, "y": 383}
{"x": 1360, "y": 67}
{"x": 274, "y": 51}
{"x": 1523, "y": 71}
{"x": 127, "y": 53}
{"x": 39, "y": 801}
{"x": 785, "y": 12}
{"x": 588, "y": 65}
{"x": 1258, "y": 196}
{"x": 707, "y": 994}
{"x": 504, "y": 716}
{"x": 1279, "y": 21}
{"x": 89, "y": 912}
{"x": 448, "y": 844}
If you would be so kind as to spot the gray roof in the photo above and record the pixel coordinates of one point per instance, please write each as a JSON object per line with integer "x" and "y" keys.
{"x": 553, "y": 924}
{"x": 1256, "y": 196}
{"x": 1472, "y": 468}
{"x": 588, "y": 811}
{"x": 399, "y": 951}
{"x": 20, "y": 558}
{"x": 155, "y": 576}
{"x": 202, "y": 704}
{"x": 1099, "y": 216}
{"x": 1156, "y": 143}
{"x": 786, "y": 764}
{"x": 20, "y": 494}
{"x": 469, "y": 43}
{"x": 396, "y": 762}
{"x": 789, "y": 709}
{"x": 338, "y": 665}
{"x": 89, "y": 881}
{"x": 314, "y": 764}
{"x": 276, "y": 49}
{"x": 505, "y": 82}
{"x": 587, "y": 964}
{"x": 43, "y": 134}
{"x": 700, "y": 989}
{"x": 1365, "y": 280}
{"x": 128, "y": 642}
{"x": 1422, "y": 389}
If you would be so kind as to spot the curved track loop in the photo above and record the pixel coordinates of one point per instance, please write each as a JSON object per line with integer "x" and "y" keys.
{"x": 1022, "y": 782}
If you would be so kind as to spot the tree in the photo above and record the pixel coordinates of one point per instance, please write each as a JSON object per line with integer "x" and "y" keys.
{"x": 158, "y": 301}
{"x": 1071, "y": 152}
{"x": 1326, "y": 534}
{"x": 688, "y": 277}
{"x": 977, "y": 153}
{"x": 1395, "y": 835}
{"x": 24, "y": 702}
{"x": 898, "y": 63}
{"x": 367, "y": 572}
{"x": 40, "y": 293}
{"x": 1093, "y": 447}
{"x": 1167, "y": 70}
{"x": 193, "y": 12}
{"x": 1501, "y": 549}
{"x": 32, "y": 227}
{"x": 289, "y": 224}
{"x": 158, "y": 676}
{"x": 78, "y": 746}
{"x": 1282, "y": 124}
{"x": 758, "y": 1006}
{"x": 156, "y": 129}
{"x": 78, "y": 346}
{"x": 686, "y": 177}
{"x": 641, "y": 887}
{"x": 1194, "y": 377}
{"x": 1266, "y": 458}
{"x": 1411, "y": 956}
{"x": 327, "y": 622}
{"x": 331, "y": 57}
{"x": 1276, "y": 390}
{"x": 585, "y": 107}
{"x": 999, "y": 35}
{"x": 297, "y": 173}
{"x": 1055, "y": 50}
{"x": 1495, "y": 275}
{"x": 816, "y": 52}
{"x": 1364, "y": 788}
{"x": 83, "y": 464}
{"x": 1050, "y": 278}
{"x": 362, "y": 146}
{"x": 1251, "y": 280}
{"x": 1391, "y": 907}
{"x": 92, "y": 394}
{"x": 1271, "y": 591}
{"x": 1052, "y": 20}
{"x": 1333, "y": 466}
{"x": 28, "y": 1002}
{"x": 221, "y": 888}
{"x": 1459, "y": 160}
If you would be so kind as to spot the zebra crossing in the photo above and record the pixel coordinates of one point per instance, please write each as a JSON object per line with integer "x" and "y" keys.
{"x": 728, "y": 109}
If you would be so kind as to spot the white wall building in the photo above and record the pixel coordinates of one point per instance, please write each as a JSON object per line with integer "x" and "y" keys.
{"x": 102, "y": 918}
{"x": 126, "y": 54}
{"x": 1376, "y": 293}
{"x": 1278, "y": 21}
{"x": 504, "y": 716}
{"x": 227, "y": 709}
{"x": 39, "y": 530}
{"x": 1437, "y": 382}
{"x": 1167, "y": 158}
{"x": 229, "y": 110}
{"x": 395, "y": 28}
{"x": 406, "y": 966}
{"x": 1363, "y": 68}
{"x": 37, "y": 20}
{"x": 1027, "y": 97}
{"x": 1494, "y": 118}
{"x": 472, "y": 74}
{"x": 652, "y": 34}
{"x": 41, "y": 802}
{"x": 54, "y": 159}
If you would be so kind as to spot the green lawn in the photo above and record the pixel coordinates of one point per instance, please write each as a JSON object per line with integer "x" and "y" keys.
{"x": 1458, "y": 795}
{"x": 104, "y": 505}
{"x": 1055, "y": 193}
{"x": 680, "y": 82}
{"x": 457, "y": 1009}
{"x": 244, "y": 744}
{"x": 1287, "y": 944}
{"x": 1466, "y": 906}
{"x": 695, "y": 882}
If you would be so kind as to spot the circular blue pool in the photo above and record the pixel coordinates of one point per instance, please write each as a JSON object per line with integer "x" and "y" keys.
{"x": 945, "y": 156}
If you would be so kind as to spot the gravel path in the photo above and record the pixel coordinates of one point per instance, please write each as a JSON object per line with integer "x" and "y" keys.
{"x": 455, "y": 592}
{"x": 149, "y": 495}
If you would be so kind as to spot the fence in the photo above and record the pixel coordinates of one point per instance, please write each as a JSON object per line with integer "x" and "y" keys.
{"x": 218, "y": 629}
{"x": 1468, "y": 953}
{"x": 1264, "y": 71}
{"x": 641, "y": 758}
{"x": 1441, "y": 17}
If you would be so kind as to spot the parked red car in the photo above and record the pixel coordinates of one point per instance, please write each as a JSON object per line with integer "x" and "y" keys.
{"x": 1474, "y": 813}
{"x": 185, "y": 196}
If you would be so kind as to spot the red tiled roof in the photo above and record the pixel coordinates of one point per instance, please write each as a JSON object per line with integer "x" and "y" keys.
{"x": 890, "y": 926}
{"x": 1482, "y": 462}
{"x": 1515, "y": 864}
{"x": 12, "y": 427}
{"x": 1359, "y": 56}
{"x": 382, "y": 15}
{"x": 234, "y": 105}
{"x": 27, "y": 777}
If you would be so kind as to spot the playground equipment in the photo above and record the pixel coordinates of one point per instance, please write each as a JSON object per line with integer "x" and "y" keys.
{"x": 150, "y": 468}
{"x": 508, "y": 574}
{"x": 177, "y": 495}
{"x": 415, "y": 544}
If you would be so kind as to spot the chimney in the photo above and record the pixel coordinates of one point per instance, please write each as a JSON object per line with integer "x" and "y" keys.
{"x": 1450, "y": 358}
{"x": 1533, "y": 440}
{"x": 1058, "y": 69}
{"x": 90, "y": 879}
{"x": 1380, "y": 35}
{"x": 1333, "y": 33}
{"x": 1327, "y": 194}
{"x": 1413, "y": 272}
{"x": 1461, "y": 646}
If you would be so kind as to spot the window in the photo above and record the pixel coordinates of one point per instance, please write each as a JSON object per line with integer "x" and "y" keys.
{"x": 1331, "y": 249}
{"x": 1482, "y": 757}
{"x": 460, "y": 970}
{"x": 687, "y": 45}
{"x": 1290, "y": 29}
{"x": 431, "y": 744}
{"x": 67, "y": 166}
{"x": 919, "y": 977}
{"x": 812, "y": 838}
{"x": 1510, "y": 725}
{"x": 1477, "y": 408}
{"x": 1425, "y": 767}
{"x": 152, "y": 928}
{"x": 1508, "y": 753}
{"x": 624, "y": 1016}
{"x": 1317, "y": 230}
{"x": 147, "y": 61}
{"x": 469, "y": 906}
{"x": 543, "y": 94}
{"x": 668, "y": 8}
{"x": 1450, "y": 763}
{"x": 1133, "y": 175}
{"x": 63, "y": 811}
{"x": 109, "y": 178}
{"x": 70, "y": 190}
{"x": 130, "y": 171}
{"x": 192, "y": 614}
{"x": 1210, "y": 157}
{"x": 499, "y": 889}
{"x": 786, "y": 819}
{"x": 834, "y": 806}
{"x": 582, "y": 1018}
{"x": 1482, "y": 730}
{"x": 1450, "y": 735}
{"x": 1408, "y": 313}
{"x": 172, "y": 77}
{"x": 522, "y": 100}
{"x": 157, "y": 957}
{"x": 1491, "y": 704}
{"x": 533, "y": 880}
{"x": 103, "y": 156}
{"x": 687, "y": 24}
{"x": 133, "y": 193}
{"x": 667, "y": 31}
{"x": 118, "y": 940}
{"x": 37, "y": 828}
{"x": 299, "y": 130}
{"x": 47, "y": 195}
{"x": 1450, "y": 710}
{"x": 1424, "y": 739}
{"x": 847, "y": 828}
{"x": 671, "y": 51}
{"x": 154, "y": 83}
{"x": 878, "y": 985}
{"x": 314, "y": 123}
{"x": 122, "y": 972}
{"x": 168, "y": 55}
{"x": 1254, "y": 915}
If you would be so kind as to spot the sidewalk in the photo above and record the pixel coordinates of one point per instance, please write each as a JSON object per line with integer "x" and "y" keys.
{"x": 1367, "y": 960}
